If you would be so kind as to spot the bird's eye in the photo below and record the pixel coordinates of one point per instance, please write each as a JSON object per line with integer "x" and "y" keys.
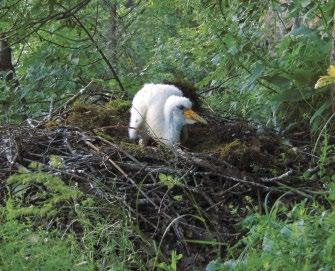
{"x": 181, "y": 107}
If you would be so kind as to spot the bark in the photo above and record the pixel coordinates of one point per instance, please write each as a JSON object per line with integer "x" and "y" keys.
{"x": 129, "y": 4}
{"x": 332, "y": 62}
{"x": 112, "y": 32}
{"x": 6, "y": 66}
{"x": 109, "y": 64}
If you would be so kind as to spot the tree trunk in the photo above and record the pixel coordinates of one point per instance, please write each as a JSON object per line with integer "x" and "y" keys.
{"x": 129, "y": 4}
{"x": 112, "y": 32}
{"x": 332, "y": 62}
{"x": 6, "y": 66}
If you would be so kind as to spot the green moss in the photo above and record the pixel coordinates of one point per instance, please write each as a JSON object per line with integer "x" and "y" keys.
{"x": 113, "y": 118}
{"x": 160, "y": 152}
{"x": 89, "y": 116}
{"x": 56, "y": 161}
{"x": 52, "y": 124}
{"x": 105, "y": 136}
{"x": 228, "y": 148}
{"x": 22, "y": 169}
{"x": 135, "y": 149}
{"x": 132, "y": 148}
{"x": 35, "y": 165}
{"x": 52, "y": 192}
{"x": 119, "y": 106}
{"x": 169, "y": 180}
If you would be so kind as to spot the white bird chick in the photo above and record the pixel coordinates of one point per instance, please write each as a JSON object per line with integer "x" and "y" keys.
{"x": 160, "y": 111}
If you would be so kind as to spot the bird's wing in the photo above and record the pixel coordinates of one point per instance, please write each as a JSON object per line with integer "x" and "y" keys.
{"x": 137, "y": 117}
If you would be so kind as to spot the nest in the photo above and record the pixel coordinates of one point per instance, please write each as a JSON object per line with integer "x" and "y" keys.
{"x": 189, "y": 200}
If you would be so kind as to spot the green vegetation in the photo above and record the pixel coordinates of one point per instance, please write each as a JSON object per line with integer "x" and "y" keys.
{"x": 304, "y": 240}
{"x": 51, "y": 193}
{"x": 101, "y": 240}
{"x": 262, "y": 59}
{"x": 256, "y": 62}
{"x": 297, "y": 237}
{"x": 25, "y": 249}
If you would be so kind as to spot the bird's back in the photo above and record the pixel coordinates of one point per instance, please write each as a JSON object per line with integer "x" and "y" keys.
{"x": 155, "y": 93}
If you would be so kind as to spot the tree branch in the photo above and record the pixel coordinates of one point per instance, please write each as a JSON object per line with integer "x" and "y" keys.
{"x": 110, "y": 66}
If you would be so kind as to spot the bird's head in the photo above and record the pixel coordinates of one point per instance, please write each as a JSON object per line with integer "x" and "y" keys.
{"x": 180, "y": 111}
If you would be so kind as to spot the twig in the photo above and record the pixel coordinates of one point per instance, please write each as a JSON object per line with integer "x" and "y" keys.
{"x": 51, "y": 107}
{"x": 278, "y": 178}
{"x": 78, "y": 94}
{"x": 122, "y": 172}
{"x": 110, "y": 66}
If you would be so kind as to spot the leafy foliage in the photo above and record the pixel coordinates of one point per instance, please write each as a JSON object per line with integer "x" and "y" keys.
{"x": 302, "y": 241}
{"x": 173, "y": 265}
{"x": 277, "y": 51}
{"x": 297, "y": 237}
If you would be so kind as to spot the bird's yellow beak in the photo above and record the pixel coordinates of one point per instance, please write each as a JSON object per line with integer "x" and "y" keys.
{"x": 192, "y": 117}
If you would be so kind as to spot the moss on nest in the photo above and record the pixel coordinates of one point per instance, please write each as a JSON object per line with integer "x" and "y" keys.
{"x": 89, "y": 116}
{"x": 112, "y": 117}
{"x": 54, "y": 123}
{"x": 226, "y": 149}
{"x": 119, "y": 107}
{"x": 46, "y": 191}
{"x": 134, "y": 149}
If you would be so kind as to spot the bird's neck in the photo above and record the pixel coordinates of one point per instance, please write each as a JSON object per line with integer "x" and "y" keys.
{"x": 172, "y": 128}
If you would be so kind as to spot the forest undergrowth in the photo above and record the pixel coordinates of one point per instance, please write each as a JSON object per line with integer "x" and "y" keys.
{"x": 252, "y": 190}
{"x": 236, "y": 195}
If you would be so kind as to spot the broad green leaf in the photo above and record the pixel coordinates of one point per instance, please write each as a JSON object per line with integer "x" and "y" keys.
{"x": 320, "y": 111}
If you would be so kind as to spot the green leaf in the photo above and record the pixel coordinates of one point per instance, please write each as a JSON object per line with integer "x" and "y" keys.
{"x": 278, "y": 80}
{"x": 320, "y": 111}
{"x": 293, "y": 95}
